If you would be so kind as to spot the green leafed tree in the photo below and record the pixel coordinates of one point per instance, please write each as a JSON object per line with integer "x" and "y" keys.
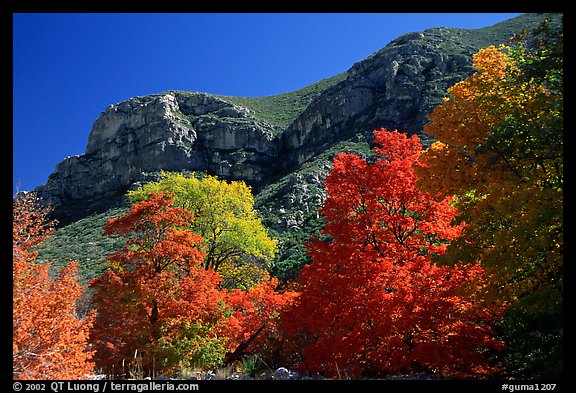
{"x": 236, "y": 242}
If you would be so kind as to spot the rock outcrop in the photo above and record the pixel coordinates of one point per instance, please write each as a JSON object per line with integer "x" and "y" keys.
{"x": 395, "y": 88}
{"x": 133, "y": 140}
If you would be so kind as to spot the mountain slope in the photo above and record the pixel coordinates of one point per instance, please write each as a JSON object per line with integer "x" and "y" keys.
{"x": 394, "y": 88}
{"x": 282, "y": 109}
{"x": 281, "y": 145}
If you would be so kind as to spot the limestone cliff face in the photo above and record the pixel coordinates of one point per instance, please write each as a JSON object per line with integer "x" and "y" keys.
{"x": 394, "y": 88}
{"x": 171, "y": 131}
{"x": 131, "y": 141}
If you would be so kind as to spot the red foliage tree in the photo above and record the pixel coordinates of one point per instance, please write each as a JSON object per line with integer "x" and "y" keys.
{"x": 49, "y": 337}
{"x": 155, "y": 285}
{"x": 372, "y": 301}
{"x": 159, "y": 309}
{"x": 253, "y": 322}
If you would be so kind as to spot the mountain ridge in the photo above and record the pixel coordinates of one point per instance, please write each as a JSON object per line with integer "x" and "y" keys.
{"x": 281, "y": 145}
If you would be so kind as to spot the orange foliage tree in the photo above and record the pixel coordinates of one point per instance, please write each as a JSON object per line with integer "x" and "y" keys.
{"x": 372, "y": 302}
{"x": 153, "y": 288}
{"x": 159, "y": 310}
{"x": 49, "y": 336}
{"x": 500, "y": 151}
{"x": 253, "y": 320}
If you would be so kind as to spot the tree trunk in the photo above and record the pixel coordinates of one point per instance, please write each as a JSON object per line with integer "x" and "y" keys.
{"x": 153, "y": 318}
{"x": 238, "y": 353}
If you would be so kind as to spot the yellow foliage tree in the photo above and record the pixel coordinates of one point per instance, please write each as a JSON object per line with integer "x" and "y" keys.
{"x": 236, "y": 242}
{"x": 500, "y": 151}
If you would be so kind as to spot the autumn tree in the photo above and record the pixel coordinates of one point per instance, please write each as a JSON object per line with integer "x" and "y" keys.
{"x": 154, "y": 291}
{"x": 253, "y": 321}
{"x": 160, "y": 310}
{"x": 372, "y": 302}
{"x": 236, "y": 242}
{"x": 49, "y": 336}
{"x": 500, "y": 152}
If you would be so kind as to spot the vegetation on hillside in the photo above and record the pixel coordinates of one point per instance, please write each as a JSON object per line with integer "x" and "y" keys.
{"x": 81, "y": 241}
{"x": 282, "y": 109}
{"x": 294, "y": 227}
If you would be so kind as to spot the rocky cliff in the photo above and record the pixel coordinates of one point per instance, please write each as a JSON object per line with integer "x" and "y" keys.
{"x": 133, "y": 140}
{"x": 394, "y": 88}
{"x": 186, "y": 131}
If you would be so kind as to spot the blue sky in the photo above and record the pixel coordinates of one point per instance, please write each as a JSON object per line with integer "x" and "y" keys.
{"x": 68, "y": 67}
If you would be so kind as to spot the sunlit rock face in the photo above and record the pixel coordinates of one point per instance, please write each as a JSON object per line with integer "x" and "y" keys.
{"x": 169, "y": 131}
